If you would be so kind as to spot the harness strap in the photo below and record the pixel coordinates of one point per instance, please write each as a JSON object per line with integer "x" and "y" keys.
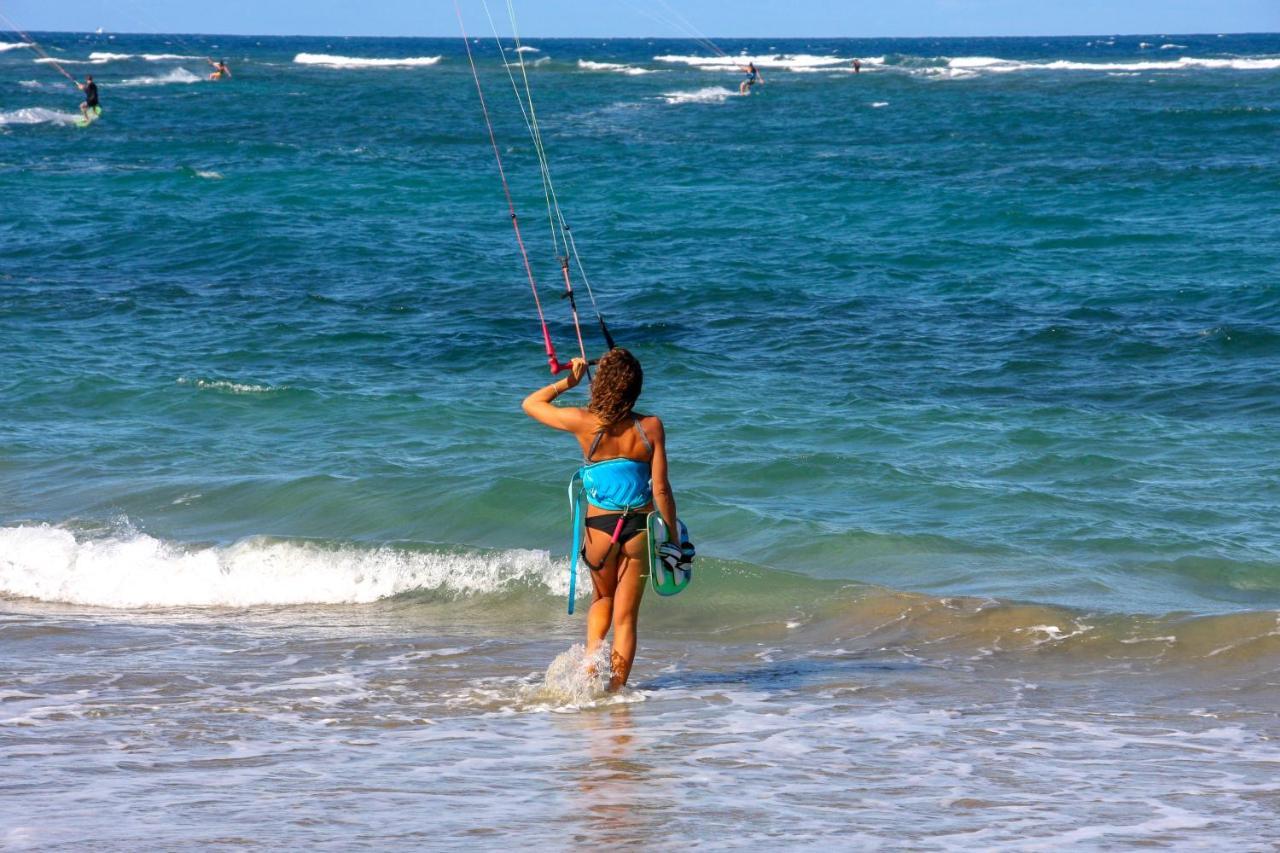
{"x": 576, "y": 512}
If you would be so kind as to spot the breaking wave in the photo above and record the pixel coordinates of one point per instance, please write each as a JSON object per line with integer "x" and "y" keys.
{"x": 129, "y": 569}
{"x": 100, "y": 56}
{"x": 616, "y": 67}
{"x": 177, "y": 75}
{"x": 960, "y": 67}
{"x": 332, "y": 61}
{"x": 45, "y": 60}
{"x": 787, "y": 61}
{"x": 971, "y": 66}
{"x": 708, "y": 95}
{"x": 225, "y": 385}
{"x": 36, "y": 115}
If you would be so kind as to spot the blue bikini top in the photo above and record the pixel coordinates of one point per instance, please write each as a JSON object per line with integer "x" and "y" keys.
{"x": 618, "y": 484}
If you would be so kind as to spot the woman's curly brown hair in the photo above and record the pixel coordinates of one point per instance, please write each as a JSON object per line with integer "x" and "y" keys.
{"x": 616, "y": 388}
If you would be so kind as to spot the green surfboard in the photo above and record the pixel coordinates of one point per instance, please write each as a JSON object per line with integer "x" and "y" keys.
{"x": 93, "y": 115}
{"x": 666, "y": 581}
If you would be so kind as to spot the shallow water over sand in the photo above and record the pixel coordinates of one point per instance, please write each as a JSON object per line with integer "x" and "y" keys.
{"x": 396, "y": 725}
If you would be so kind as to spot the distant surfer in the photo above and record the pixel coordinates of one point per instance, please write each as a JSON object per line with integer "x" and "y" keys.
{"x": 857, "y": 66}
{"x": 624, "y": 477}
{"x": 220, "y": 70}
{"x": 753, "y": 77}
{"x": 90, "y": 90}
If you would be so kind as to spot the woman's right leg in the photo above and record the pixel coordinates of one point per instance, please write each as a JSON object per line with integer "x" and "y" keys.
{"x": 632, "y": 573}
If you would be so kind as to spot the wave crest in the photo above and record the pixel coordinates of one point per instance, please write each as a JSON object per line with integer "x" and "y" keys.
{"x": 177, "y": 75}
{"x": 130, "y": 569}
{"x": 969, "y": 66}
{"x": 333, "y": 61}
{"x": 36, "y": 115}
{"x": 102, "y": 56}
{"x": 616, "y": 67}
{"x": 787, "y": 61}
{"x": 708, "y": 95}
{"x": 226, "y": 385}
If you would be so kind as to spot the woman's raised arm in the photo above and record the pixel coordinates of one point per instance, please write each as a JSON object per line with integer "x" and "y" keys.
{"x": 538, "y": 404}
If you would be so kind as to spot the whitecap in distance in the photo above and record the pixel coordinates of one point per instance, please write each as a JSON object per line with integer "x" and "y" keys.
{"x": 333, "y": 61}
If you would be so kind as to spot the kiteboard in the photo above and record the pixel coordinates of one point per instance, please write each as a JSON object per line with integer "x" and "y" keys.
{"x": 667, "y": 581}
{"x": 89, "y": 118}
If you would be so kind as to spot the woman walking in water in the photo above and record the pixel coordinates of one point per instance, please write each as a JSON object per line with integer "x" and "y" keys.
{"x": 624, "y": 477}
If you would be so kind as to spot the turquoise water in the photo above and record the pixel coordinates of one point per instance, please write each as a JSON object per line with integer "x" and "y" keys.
{"x": 966, "y": 331}
{"x": 968, "y": 365}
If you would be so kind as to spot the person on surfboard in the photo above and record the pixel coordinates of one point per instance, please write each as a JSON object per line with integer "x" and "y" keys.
{"x": 753, "y": 77}
{"x": 220, "y": 70}
{"x": 90, "y": 90}
{"x": 624, "y": 478}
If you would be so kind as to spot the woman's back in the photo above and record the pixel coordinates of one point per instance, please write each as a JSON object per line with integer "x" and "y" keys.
{"x": 628, "y": 438}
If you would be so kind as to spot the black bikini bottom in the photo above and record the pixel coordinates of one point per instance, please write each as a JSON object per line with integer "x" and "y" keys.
{"x": 633, "y": 524}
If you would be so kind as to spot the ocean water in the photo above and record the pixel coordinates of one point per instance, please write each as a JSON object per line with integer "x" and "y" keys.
{"x": 968, "y": 364}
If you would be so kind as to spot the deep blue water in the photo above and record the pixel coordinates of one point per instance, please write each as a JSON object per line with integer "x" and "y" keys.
{"x": 994, "y": 317}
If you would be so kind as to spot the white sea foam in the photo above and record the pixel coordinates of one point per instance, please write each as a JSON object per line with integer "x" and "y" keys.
{"x": 1052, "y": 633}
{"x": 46, "y": 60}
{"x": 331, "y": 61}
{"x": 101, "y": 56}
{"x": 526, "y": 48}
{"x": 10, "y": 45}
{"x": 879, "y": 104}
{"x": 210, "y": 175}
{"x": 36, "y": 115}
{"x": 989, "y": 63}
{"x": 130, "y": 569}
{"x": 177, "y": 75}
{"x": 1173, "y": 47}
{"x": 224, "y": 384}
{"x": 968, "y": 66}
{"x": 786, "y": 61}
{"x": 1186, "y": 62}
{"x": 708, "y": 95}
{"x": 616, "y": 67}
{"x": 573, "y": 680}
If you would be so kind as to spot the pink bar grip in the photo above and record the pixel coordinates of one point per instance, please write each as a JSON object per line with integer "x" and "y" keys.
{"x": 560, "y": 366}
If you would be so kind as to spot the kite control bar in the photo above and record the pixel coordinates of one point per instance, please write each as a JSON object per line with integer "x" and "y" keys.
{"x": 560, "y": 366}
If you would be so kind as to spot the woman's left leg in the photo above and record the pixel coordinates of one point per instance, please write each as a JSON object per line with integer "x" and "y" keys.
{"x": 599, "y": 548}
